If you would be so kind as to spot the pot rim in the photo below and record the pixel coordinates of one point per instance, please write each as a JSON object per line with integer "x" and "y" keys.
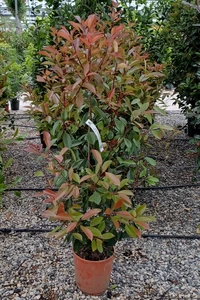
{"x": 94, "y": 261}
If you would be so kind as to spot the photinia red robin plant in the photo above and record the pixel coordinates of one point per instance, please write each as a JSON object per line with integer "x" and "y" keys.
{"x": 100, "y": 89}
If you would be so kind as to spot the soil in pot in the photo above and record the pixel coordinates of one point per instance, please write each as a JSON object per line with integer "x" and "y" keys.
{"x": 14, "y": 103}
{"x": 92, "y": 277}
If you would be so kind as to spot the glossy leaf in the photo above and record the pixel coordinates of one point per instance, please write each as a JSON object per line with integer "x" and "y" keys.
{"x": 97, "y": 156}
{"x": 118, "y": 204}
{"x": 130, "y": 231}
{"x": 96, "y": 221}
{"x": 106, "y": 165}
{"x": 96, "y": 198}
{"x": 47, "y": 138}
{"x": 113, "y": 178}
{"x": 99, "y": 245}
{"x": 87, "y": 232}
{"x": 38, "y": 174}
{"x": 95, "y": 231}
{"x": 78, "y": 236}
{"x": 124, "y": 214}
{"x": 94, "y": 245}
{"x": 71, "y": 226}
{"x": 61, "y": 233}
{"x": 67, "y": 140}
{"x": 90, "y": 213}
{"x": 107, "y": 236}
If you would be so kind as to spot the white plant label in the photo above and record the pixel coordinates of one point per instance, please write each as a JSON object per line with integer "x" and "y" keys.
{"x": 96, "y": 132}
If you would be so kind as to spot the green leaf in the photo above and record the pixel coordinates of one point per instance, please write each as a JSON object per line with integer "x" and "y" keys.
{"x": 140, "y": 209}
{"x": 94, "y": 245}
{"x": 78, "y": 236}
{"x": 106, "y": 165}
{"x": 152, "y": 180}
{"x": 157, "y": 133}
{"x": 96, "y": 198}
{"x": 159, "y": 110}
{"x": 18, "y": 179}
{"x": 107, "y": 236}
{"x": 8, "y": 163}
{"x": 16, "y": 132}
{"x": 120, "y": 126}
{"x": 95, "y": 231}
{"x": 145, "y": 219}
{"x": 126, "y": 162}
{"x": 96, "y": 221}
{"x": 17, "y": 193}
{"x": 90, "y": 138}
{"x": 76, "y": 177}
{"x": 128, "y": 143}
{"x": 67, "y": 140}
{"x": 135, "y": 101}
{"x": 102, "y": 226}
{"x": 99, "y": 245}
{"x": 38, "y": 174}
{"x": 56, "y": 125}
{"x": 150, "y": 160}
{"x": 130, "y": 231}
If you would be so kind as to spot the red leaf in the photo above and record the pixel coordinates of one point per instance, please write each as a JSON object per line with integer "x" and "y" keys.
{"x": 61, "y": 208}
{"x": 116, "y": 223}
{"x": 108, "y": 211}
{"x": 125, "y": 214}
{"x": 64, "y": 217}
{"x": 47, "y": 138}
{"x": 111, "y": 94}
{"x": 71, "y": 226}
{"x": 64, "y": 33}
{"x": 75, "y": 25}
{"x": 97, "y": 156}
{"x": 87, "y": 232}
{"x": 44, "y": 53}
{"x": 63, "y": 151}
{"x": 75, "y": 192}
{"x": 113, "y": 178}
{"x": 62, "y": 192}
{"x": 59, "y": 158}
{"x": 79, "y": 100}
{"x": 32, "y": 149}
{"x": 49, "y": 213}
{"x": 142, "y": 224}
{"x": 137, "y": 232}
{"x": 78, "y": 81}
{"x": 90, "y": 87}
{"x": 118, "y": 204}
{"x": 86, "y": 177}
{"x": 91, "y": 21}
{"x": 40, "y": 78}
{"x": 90, "y": 213}
{"x": 49, "y": 193}
{"x": 125, "y": 198}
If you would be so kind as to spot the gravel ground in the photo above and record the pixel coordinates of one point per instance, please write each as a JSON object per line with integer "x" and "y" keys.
{"x": 33, "y": 266}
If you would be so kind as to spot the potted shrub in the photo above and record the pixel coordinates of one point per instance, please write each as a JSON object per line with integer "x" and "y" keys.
{"x": 97, "y": 211}
{"x": 14, "y": 84}
{"x": 100, "y": 87}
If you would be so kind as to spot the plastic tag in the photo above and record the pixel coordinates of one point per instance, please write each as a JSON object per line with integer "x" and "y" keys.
{"x": 96, "y": 132}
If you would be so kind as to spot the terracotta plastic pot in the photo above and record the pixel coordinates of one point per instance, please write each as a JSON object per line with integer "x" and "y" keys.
{"x": 92, "y": 277}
